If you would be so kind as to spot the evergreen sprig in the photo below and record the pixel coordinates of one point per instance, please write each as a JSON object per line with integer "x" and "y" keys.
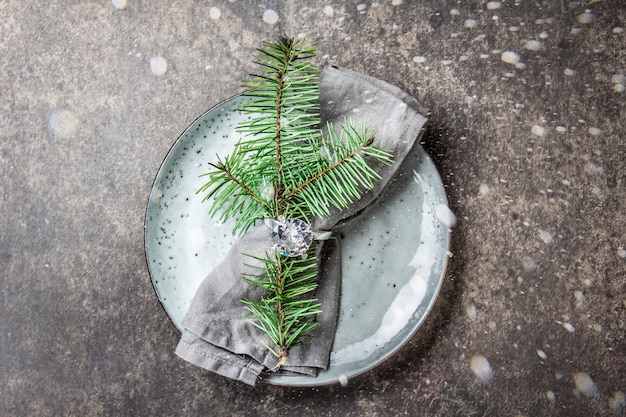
{"x": 284, "y": 166}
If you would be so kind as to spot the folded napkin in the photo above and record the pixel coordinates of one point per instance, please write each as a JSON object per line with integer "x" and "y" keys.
{"x": 215, "y": 337}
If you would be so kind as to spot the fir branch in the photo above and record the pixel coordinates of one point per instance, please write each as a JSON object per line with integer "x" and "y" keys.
{"x": 283, "y": 165}
{"x": 285, "y": 312}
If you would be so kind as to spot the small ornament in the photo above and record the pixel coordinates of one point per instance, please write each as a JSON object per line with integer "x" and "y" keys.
{"x": 290, "y": 237}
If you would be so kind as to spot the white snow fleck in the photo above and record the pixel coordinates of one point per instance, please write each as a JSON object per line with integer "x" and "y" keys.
{"x": 445, "y": 215}
{"x": 595, "y": 131}
{"x": 617, "y": 402}
{"x": 455, "y": 12}
{"x": 470, "y": 23}
{"x": 546, "y": 237}
{"x": 584, "y": 384}
{"x": 493, "y": 5}
{"x": 419, "y": 59}
{"x": 446, "y": 62}
{"x": 569, "y": 327}
{"x": 343, "y": 380}
{"x": 471, "y": 312}
{"x": 520, "y": 65}
{"x": 550, "y": 396}
{"x": 329, "y": 10}
{"x": 483, "y": 189}
{"x": 592, "y": 168}
{"x": 621, "y": 252}
{"x": 542, "y": 354}
{"x": 481, "y": 368}
{"x": 618, "y": 30}
{"x": 270, "y": 16}
{"x": 618, "y": 78}
{"x": 533, "y": 45}
{"x": 510, "y": 57}
{"x": 214, "y": 13}
{"x": 396, "y": 2}
{"x": 569, "y": 72}
{"x": 361, "y": 6}
{"x": 561, "y": 129}
{"x": 544, "y": 35}
{"x": 580, "y": 299}
{"x": 119, "y": 4}
{"x": 158, "y": 65}
{"x": 62, "y": 123}
{"x": 528, "y": 264}
{"x": 538, "y": 130}
{"x": 513, "y": 28}
{"x": 586, "y": 18}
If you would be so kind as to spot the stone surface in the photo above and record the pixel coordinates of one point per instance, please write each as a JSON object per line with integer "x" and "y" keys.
{"x": 527, "y": 129}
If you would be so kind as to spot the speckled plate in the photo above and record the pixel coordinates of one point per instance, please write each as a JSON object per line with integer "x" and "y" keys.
{"x": 393, "y": 256}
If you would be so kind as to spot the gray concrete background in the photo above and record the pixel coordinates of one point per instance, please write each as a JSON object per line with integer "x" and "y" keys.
{"x": 527, "y": 129}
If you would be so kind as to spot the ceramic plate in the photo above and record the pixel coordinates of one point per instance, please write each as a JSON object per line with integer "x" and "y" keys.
{"x": 393, "y": 256}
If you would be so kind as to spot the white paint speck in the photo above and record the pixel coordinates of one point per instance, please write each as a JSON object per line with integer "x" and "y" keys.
{"x": 158, "y": 65}
{"x": 561, "y": 129}
{"x": 584, "y": 384}
{"x": 493, "y": 5}
{"x": 510, "y": 57}
{"x": 569, "y": 327}
{"x": 470, "y": 23}
{"x": 119, "y": 4}
{"x": 621, "y": 252}
{"x": 542, "y": 355}
{"x": 618, "y": 30}
{"x": 484, "y": 189}
{"x": 455, "y": 12}
{"x": 481, "y": 368}
{"x": 569, "y": 72}
{"x": 361, "y": 6}
{"x": 396, "y": 2}
{"x": 270, "y": 16}
{"x": 215, "y": 13}
{"x": 62, "y": 123}
{"x": 343, "y": 380}
{"x": 538, "y": 130}
{"x": 419, "y": 59}
{"x": 586, "y": 18}
{"x": 617, "y": 402}
{"x": 533, "y": 45}
{"x": 550, "y": 396}
{"x": 544, "y": 35}
{"x": 546, "y": 237}
{"x": 445, "y": 215}
{"x": 329, "y": 10}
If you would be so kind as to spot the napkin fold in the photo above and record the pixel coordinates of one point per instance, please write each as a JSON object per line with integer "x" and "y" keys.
{"x": 215, "y": 337}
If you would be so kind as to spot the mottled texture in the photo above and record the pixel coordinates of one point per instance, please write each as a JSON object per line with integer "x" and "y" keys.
{"x": 531, "y": 151}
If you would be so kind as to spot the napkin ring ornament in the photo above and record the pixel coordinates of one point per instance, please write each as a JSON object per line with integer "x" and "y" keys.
{"x": 293, "y": 237}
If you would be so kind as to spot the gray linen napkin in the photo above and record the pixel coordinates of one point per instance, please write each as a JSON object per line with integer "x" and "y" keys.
{"x": 215, "y": 337}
